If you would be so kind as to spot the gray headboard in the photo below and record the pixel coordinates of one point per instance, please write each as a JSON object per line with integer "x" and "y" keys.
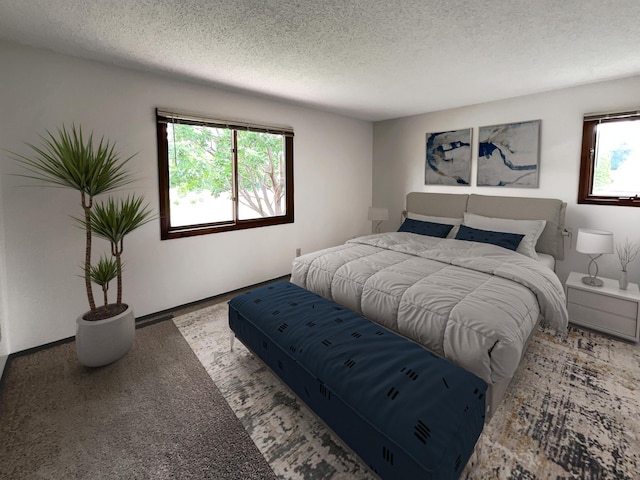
{"x": 520, "y": 208}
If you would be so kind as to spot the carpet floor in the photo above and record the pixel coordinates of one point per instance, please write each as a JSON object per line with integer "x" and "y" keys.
{"x": 155, "y": 414}
{"x": 572, "y": 411}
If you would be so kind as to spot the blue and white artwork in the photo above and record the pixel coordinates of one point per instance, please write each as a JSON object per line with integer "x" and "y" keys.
{"x": 508, "y": 155}
{"x": 448, "y": 159}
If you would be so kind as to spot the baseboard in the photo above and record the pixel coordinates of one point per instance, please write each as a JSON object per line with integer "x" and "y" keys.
{"x": 3, "y": 364}
{"x": 141, "y": 322}
{"x": 174, "y": 310}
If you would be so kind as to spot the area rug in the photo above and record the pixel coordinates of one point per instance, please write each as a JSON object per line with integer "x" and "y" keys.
{"x": 155, "y": 414}
{"x": 572, "y": 411}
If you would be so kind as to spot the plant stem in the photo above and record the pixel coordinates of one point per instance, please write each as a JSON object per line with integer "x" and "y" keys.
{"x": 116, "y": 251}
{"x": 87, "y": 259}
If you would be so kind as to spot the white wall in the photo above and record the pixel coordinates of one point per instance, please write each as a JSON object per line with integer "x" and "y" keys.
{"x": 399, "y": 157}
{"x": 4, "y": 338}
{"x": 43, "y": 249}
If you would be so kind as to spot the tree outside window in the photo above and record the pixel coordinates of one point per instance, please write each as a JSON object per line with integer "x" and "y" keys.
{"x": 610, "y": 162}
{"x": 222, "y": 176}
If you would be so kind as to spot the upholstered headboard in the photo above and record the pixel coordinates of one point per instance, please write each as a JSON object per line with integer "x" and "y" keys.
{"x": 454, "y": 205}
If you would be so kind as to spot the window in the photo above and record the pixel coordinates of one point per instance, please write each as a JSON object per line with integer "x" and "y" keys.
{"x": 610, "y": 159}
{"x": 218, "y": 175}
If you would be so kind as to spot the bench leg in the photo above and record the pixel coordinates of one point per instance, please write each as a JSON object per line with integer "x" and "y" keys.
{"x": 474, "y": 461}
{"x": 477, "y": 454}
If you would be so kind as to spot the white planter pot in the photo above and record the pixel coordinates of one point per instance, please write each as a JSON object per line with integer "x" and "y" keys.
{"x": 104, "y": 341}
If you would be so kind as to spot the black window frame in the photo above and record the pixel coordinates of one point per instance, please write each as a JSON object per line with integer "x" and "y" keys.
{"x": 587, "y": 160}
{"x": 163, "y": 117}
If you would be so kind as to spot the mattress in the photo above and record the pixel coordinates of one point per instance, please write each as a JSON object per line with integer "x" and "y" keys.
{"x": 547, "y": 260}
{"x": 472, "y": 303}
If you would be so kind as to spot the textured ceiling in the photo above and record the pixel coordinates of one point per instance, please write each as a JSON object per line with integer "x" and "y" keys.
{"x": 374, "y": 60}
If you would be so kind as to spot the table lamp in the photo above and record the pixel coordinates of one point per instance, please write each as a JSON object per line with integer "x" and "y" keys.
{"x": 594, "y": 243}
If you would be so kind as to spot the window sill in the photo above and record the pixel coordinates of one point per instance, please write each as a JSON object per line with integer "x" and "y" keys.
{"x": 618, "y": 201}
{"x": 192, "y": 231}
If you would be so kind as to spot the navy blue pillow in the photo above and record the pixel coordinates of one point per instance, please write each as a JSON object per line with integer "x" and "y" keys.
{"x": 501, "y": 239}
{"x": 431, "y": 229}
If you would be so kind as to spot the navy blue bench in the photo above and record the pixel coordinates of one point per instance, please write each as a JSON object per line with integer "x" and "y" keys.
{"x": 407, "y": 413}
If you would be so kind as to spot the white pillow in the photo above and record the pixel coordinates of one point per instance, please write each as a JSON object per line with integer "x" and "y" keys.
{"x": 445, "y": 220}
{"x": 532, "y": 229}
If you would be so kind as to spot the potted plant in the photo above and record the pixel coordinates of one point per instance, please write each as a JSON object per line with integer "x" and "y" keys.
{"x": 103, "y": 334}
{"x": 627, "y": 253}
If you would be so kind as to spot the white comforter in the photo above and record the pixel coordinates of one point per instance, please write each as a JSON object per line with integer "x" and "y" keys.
{"x": 472, "y": 303}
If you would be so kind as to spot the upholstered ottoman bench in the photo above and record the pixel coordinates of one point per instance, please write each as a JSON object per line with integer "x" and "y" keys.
{"x": 406, "y": 412}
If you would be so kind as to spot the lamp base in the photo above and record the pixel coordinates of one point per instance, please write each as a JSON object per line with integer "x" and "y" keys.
{"x": 592, "y": 281}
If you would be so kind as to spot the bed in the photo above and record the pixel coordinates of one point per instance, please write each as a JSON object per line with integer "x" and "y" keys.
{"x": 466, "y": 276}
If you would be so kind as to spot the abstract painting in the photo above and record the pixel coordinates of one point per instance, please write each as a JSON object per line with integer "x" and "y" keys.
{"x": 509, "y": 154}
{"x": 448, "y": 159}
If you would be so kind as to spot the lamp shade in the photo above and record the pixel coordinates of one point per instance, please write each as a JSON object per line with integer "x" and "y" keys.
{"x": 378, "y": 214}
{"x": 594, "y": 242}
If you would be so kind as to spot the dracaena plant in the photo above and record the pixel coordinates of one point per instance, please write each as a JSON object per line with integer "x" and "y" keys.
{"x": 72, "y": 160}
{"x": 113, "y": 220}
{"x": 102, "y": 273}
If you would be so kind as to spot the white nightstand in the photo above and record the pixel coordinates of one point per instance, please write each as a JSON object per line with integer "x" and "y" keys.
{"x": 606, "y": 309}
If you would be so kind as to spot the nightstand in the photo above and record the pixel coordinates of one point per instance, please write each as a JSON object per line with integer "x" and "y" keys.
{"x": 606, "y": 309}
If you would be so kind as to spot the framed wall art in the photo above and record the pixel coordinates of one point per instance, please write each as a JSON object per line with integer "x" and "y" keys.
{"x": 448, "y": 158}
{"x": 509, "y": 155}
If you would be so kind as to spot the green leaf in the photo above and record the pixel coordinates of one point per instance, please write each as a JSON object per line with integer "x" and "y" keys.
{"x": 105, "y": 271}
{"x": 115, "y": 219}
{"x": 70, "y": 160}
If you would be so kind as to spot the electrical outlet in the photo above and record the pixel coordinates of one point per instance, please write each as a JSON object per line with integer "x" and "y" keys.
{"x": 298, "y": 252}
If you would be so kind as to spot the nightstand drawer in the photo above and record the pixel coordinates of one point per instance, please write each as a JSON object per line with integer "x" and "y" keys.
{"x": 600, "y": 320}
{"x": 604, "y": 303}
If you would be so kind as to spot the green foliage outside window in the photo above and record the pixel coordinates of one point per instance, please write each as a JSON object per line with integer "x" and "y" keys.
{"x": 602, "y": 174}
{"x": 610, "y": 159}
{"x": 201, "y": 161}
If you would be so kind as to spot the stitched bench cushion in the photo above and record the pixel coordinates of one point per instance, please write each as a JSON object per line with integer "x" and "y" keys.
{"x": 405, "y": 411}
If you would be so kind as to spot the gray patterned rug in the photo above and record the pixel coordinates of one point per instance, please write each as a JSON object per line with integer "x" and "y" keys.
{"x": 572, "y": 412}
